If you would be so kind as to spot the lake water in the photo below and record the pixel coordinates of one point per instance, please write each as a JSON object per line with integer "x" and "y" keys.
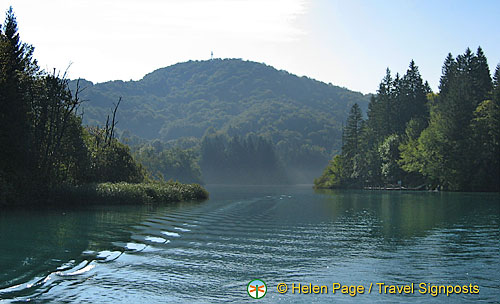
{"x": 206, "y": 252}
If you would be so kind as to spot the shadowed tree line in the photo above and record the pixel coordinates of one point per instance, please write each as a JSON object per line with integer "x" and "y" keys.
{"x": 169, "y": 163}
{"x": 43, "y": 144}
{"x": 240, "y": 160}
{"x": 448, "y": 140}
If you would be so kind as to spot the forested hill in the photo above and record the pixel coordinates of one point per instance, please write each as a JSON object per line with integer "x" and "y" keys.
{"x": 187, "y": 98}
{"x": 233, "y": 96}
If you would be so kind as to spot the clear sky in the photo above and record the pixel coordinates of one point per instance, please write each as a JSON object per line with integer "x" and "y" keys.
{"x": 349, "y": 43}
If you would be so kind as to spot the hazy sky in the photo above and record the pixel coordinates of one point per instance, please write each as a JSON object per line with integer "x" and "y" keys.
{"x": 348, "y": 43}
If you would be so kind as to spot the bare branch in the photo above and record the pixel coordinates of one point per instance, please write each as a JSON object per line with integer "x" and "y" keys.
{"x": 114, "y": 115}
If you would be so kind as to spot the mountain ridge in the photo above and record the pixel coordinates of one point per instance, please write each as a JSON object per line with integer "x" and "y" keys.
{"x": 158, "y": 85}
{"x": 233, "y": 96}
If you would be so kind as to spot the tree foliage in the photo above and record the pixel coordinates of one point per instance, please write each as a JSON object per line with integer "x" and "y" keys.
{"x": 236, "y": 160}
{"x": 43, "y": 143}
{"x": 448, "y": 140}
{"x": 166, "y": 163}
{"x": 300, "y": 116}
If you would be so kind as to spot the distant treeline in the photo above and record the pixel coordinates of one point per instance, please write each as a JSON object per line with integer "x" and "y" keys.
{"x": 43, "y": 145}
{"x": 222, "y": 159}
{"x": 177, "y": 105}
{"x": 448, "y": 140}
{"x": 235, "y": 160}
{"x": 169, "y": 163}
{"x": 218, "y": 159}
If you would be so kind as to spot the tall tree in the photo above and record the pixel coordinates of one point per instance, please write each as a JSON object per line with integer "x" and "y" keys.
{"x": 412, "y": 99}
{"x": 481, "y": 76}
{"x": 352, "y": 142}
{"x": 354, "y": 126}
{"x": 381, "y": 108}
{"x": 445, "y": 146}
{"x": 447, "y": 73}
{"x": 486, "y": 139}
{"x": 42, "y": 141}
{"x": 16, "y": 69}
{"x": 496, "y": 85}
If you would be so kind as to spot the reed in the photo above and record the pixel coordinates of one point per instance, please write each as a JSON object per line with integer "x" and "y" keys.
{"x": 128, "y": 193}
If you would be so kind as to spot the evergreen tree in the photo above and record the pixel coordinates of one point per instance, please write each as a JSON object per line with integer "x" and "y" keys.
{"x": 454, "y": 146}
{"x": 16, "y": 69}
{"x": 427, "y": 87}
{"x": 43, "y": 144}
{"x": 447, "y": 74}
{"x": 352, "y": 142}
{"x": 481, "y": 76}
{"x": 412, "y": 99}
{"x": 354, "y": 125}
{"x": 444, "y": 148}
{"x": 486, "y": 139}
{"x": 382, "y": 108}
{"x": 496, "y": 85}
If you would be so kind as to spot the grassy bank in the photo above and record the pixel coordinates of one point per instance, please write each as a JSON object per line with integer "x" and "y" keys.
{"x": 127, "y": 193}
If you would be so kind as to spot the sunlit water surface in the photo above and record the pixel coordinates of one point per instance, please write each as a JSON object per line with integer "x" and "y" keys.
{"x": 201, "y": 252}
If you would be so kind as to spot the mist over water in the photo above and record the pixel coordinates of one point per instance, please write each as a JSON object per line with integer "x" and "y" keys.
{"x": 208, "y": 251}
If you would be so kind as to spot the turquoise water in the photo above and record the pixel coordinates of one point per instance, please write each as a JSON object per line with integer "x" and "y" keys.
{"x": 207, "y": 252}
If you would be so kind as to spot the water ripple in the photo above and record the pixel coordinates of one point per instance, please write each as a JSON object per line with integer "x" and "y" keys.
{"x": 208, "y": 252}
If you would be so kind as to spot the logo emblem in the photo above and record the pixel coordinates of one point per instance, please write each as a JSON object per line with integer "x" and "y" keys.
{"x": 257, "y": 289}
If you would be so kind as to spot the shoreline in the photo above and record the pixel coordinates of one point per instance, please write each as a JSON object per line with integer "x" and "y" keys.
{"x": 121, "y": 193}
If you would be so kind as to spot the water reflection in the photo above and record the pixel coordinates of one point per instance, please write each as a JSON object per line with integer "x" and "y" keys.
{"x": 38, "y": 246}
{"x": 290, "y": 234}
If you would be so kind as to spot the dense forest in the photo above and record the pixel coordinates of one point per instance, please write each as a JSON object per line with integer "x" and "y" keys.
{"x": 177, "y": 105}
{"x": 248, "y": 160}
{"x": 419, "y": 139}
{"x": 43, "y": 143}
{"x": 165, "y": 163}
{"x": 222, "y": 159}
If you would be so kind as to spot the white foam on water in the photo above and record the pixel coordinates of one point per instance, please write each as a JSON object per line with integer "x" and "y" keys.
{"x": 173, "y": 234}
{"x": 155, "y": 239}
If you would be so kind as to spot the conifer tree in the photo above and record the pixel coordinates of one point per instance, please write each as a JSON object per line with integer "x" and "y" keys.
{"x": 413, "y": 97}
{"x": 352, "y": 143}
{"x": 353, "y": 130}
{"x": 455, "y": 146}
{"x": 447, "y": 73}
{"x": 448, "y": 143}
{"x": 485, "y": 128}
{"x": 381, "y": 108}
{"x": 16, "y": 69}
{"x": 496, "y": 85}
{"x": 481, "y": 76}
